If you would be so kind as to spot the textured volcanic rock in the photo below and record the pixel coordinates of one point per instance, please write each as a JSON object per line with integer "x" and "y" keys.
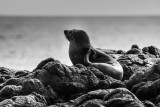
{"x": 134, "y": 50}
{"x": 32, "y": 100}
{"x": 69, "y": 80}
{"x": 152, "y": 50}
{"x": 53, "y": 84}
{"x": 119, "y": 97}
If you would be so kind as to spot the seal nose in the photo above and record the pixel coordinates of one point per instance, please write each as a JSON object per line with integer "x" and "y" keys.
{"x": 65, "y": 32}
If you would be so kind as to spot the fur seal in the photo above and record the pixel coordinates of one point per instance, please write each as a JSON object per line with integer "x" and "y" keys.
{"x": 81, "y": 51}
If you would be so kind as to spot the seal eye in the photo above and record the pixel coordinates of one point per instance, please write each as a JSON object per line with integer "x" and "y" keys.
{"x": 69, "y": 32}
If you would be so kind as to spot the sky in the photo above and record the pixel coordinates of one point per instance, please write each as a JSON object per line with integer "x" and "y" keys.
{"x": 79, "y": 7}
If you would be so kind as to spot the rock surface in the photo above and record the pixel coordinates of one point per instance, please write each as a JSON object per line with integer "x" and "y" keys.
{"x": 53, "y": 84}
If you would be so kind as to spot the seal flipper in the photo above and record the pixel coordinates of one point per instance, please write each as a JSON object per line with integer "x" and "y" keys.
{"x": 114, "y": 71}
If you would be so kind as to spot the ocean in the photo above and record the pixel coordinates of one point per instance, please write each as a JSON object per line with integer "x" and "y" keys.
{"x": 25, "y": 41}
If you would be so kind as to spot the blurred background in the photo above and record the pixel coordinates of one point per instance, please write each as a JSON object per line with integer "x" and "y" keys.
{"x": 31, "y": 31}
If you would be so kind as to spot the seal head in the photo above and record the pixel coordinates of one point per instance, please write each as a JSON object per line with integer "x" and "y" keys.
{"x": 79, "y": 45}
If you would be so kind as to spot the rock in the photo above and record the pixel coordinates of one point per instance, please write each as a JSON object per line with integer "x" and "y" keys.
{"x": 109, "y": 83}
{"x": 134, "y": 79}
{"x": 151, "y": 61}
{"x": 152, "y": 50}
{"x": 32, "y": 100}
{"x": 108, "y": 98}
{"x": 9, "y": 91}
{"x": 44, "y": 62}
{"x": 134, "y": 50}
{"x": 97, "y": 73}
{"x": 157, "y": 99}
{"x": 34, "y": 85}
{"x": 67, "y": 80}
{"x": 2, "y": 79}
{"x": 12, "y": 81}
{"x": 6, "y": 73}
{"x": 148, "y": 104}
{"x": 148, "y": 90}
{"x": 135, "y": 46}
{"x": 93, "y": 103}
{"x": 131, "y": 59}
{"x": 7, "y": 103}
{"x": 127, "y": 72}
{"x": 121, "y": 97}
{"x": 21, "y": 73}
{"x": 120, "y": 52}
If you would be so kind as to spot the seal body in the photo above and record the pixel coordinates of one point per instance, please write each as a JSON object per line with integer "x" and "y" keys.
{"x": 81, "y": 51}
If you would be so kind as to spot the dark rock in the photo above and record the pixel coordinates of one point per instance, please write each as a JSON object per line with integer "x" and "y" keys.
{"x": 109, "y": 83}
{"x": 134, "y": 79}
{"x": 152, "y": 50}
{"x": 7, "y": 103}
{"x": 134, "y": 51}
{"x": 120, "y": 52}
{"x": 135, "y": 87}
{"x": 97, "y": 94}
{"x": 97, "y": 73}
{"x": 44, "y": 62}
{"x": 67, "y": 80}
{"x": 21, "y": 73}
{"x": 114, "y": 83}
{"x": 103, "y": 84}
{"x": 125, "y": 62}
{"x": 157, "y": 100}
{"x": 12, "y": 81}
{"x": 148, "y": 104}
{"x": 32, "y": 100}
{"x": 151, "y": 61}
{"x": 9, "y": 91}
{"x": 131, "y": 59}
{"x": 148, "y": 90}
{"x": 119, "y": 97}
{"x": 142, "y": 56}
{"x": 34, "y": 85}
{"x": 93, "y": 103}
{"x": 152, "y": 73}
{"x": 5, "y": 71}
{"x": 135, "y": 46}
{"x": 127, "y": 72}
{"x": 2, "y": 79}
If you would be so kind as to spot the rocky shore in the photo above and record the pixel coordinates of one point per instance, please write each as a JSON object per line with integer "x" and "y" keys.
{"x": 53, "y": 84}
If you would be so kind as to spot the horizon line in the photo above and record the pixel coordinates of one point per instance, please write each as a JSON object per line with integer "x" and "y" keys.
{"x": 79, "y": 16}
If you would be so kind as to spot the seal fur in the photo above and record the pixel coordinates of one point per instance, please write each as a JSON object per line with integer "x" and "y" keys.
{"x": 81, "y": 51}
